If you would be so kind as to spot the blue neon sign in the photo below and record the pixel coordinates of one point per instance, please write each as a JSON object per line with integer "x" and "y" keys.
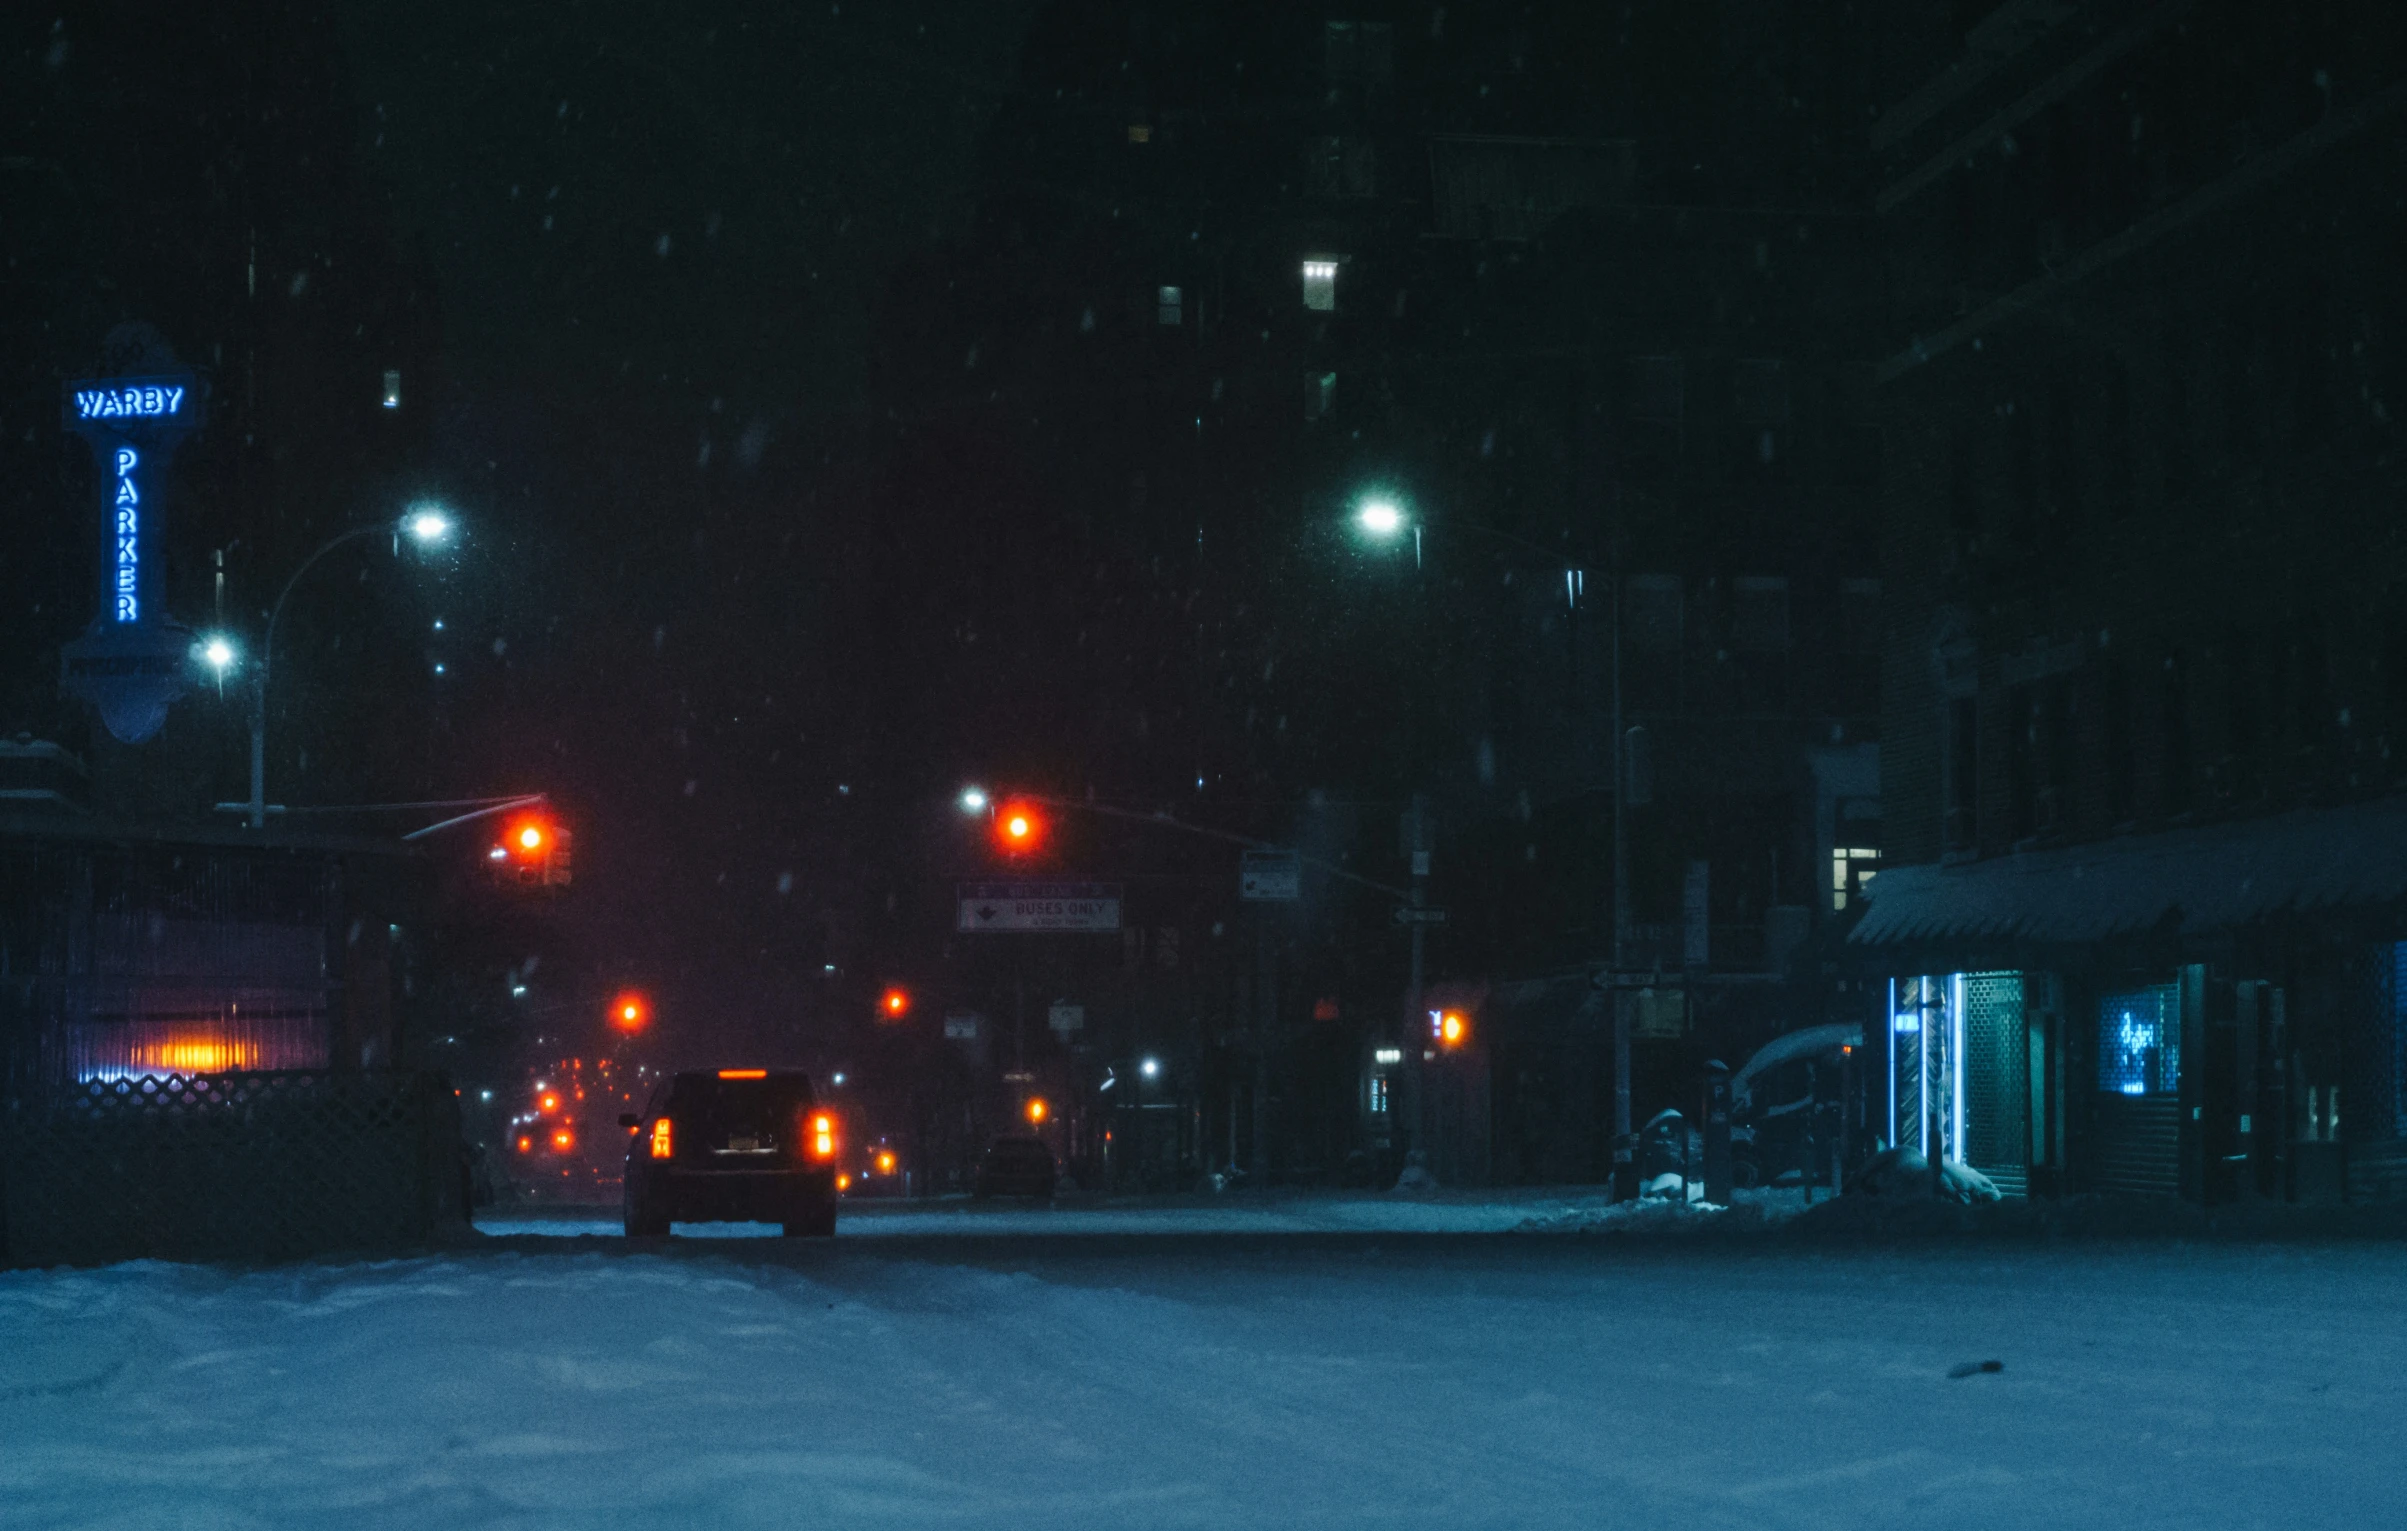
{"x": 127, "y": 539}
{"x": 130, "y": 664}
{"x": 141, "y": 399}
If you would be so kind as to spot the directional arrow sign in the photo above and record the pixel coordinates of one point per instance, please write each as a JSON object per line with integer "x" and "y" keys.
{"x": 1411, "y": 916}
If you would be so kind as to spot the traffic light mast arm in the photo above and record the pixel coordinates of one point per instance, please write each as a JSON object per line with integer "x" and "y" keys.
{"x": 492, "y": 806}
{"x": 1162, "y": 820}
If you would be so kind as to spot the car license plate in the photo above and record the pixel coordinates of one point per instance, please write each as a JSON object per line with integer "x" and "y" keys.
{"x": 744, "y": 1145}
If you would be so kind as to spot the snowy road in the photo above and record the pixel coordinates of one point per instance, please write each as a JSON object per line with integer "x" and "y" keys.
{"x": 1455, "y": 1382}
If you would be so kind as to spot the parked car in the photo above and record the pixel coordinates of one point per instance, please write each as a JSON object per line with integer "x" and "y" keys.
{"x": 1014, "y": 1166}
{"x": 734, "y": 1145}
{"x": 1792, "y": 1086}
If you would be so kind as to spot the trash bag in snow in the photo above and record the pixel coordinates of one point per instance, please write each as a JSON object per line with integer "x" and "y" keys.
{"x": 1667, "y": 1145}
{"x": 1901, "y": 1172}
{"x": 1416, "y": 1176}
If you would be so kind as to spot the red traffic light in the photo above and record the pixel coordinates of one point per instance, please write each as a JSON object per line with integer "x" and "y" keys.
{"x": 1019, "y": 829}
{"x": 536, "y": 850}
{"x": 630, "y": 1012}
{"x": 894, "y": 1004}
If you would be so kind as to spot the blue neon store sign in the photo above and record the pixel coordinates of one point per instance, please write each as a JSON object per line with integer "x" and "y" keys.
{"x": 130, "y": 663}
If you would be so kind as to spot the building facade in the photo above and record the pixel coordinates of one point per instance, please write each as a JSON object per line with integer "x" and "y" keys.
{"x": 2145, "y": 689}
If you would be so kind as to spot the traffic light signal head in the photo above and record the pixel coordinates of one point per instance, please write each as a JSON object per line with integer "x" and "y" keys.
{"x": 630, "y": 1012}
{"x": 1019, "y": 829}
{"x": 1450, "y": 1028}
{"x": 534, "y": 850}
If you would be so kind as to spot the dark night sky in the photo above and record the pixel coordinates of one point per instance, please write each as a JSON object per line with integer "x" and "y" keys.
{"x": 690, "y": 202}
{"x": 660, "y": 241}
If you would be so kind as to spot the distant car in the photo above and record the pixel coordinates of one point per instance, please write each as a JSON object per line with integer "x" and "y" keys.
{"x": 1014, "y": 1166}
{"x": 735, "y": 1145}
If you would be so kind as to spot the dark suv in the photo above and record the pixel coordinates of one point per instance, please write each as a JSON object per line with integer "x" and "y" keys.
{"x": 737, "y": 1145}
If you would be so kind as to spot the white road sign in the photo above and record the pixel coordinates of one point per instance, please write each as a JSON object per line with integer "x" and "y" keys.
{"x": 1038, "y": 908}
{"x": 1276, "y": 876}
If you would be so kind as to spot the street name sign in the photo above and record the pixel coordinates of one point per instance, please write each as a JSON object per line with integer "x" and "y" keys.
{"x": 1271, "y": 876}
{"x": 1038, "y": 908}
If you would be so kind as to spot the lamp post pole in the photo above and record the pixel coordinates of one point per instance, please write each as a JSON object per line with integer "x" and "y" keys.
{"x": 425, "y": 525}
{"x": 1383, "y": 518}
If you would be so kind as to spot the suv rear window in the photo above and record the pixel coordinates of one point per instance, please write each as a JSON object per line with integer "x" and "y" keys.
{"x": 715, "y": 1111}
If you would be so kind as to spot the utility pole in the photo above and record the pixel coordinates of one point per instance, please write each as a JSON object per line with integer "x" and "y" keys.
{"x": 1417, "y": 838}
{"x": 1266, "y": 1011}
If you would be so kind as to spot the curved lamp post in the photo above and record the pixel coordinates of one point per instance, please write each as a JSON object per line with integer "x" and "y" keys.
{"x": 423, "y": 524}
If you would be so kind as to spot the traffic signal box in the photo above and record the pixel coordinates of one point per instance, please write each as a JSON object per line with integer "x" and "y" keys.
{"x": 535, "y": 853}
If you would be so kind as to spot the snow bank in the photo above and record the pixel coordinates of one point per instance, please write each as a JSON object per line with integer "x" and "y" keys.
{"x": 1530, "y": 1383}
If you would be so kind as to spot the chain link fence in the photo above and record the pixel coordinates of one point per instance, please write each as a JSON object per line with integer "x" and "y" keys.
{"x": 236, "y": 1166}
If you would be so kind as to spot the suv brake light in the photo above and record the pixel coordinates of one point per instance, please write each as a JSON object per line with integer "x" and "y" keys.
{"x": 661, "y": 1148}
{"x": 823, "y": 1137}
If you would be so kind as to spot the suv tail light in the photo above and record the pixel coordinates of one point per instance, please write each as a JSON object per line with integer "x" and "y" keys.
{"x": 661, "y": 1141}
{"x": 823, "y": 1136}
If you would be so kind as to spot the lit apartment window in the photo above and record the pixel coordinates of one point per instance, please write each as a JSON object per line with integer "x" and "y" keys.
{"x": 1320, "y": 283}
{"x": 392, "y": 390}
{"x": 1170, "y": 304}
{"x": 1851, "y": 867}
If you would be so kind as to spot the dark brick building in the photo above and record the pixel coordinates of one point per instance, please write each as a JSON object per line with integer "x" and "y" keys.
{"x": 2146, "y": 676}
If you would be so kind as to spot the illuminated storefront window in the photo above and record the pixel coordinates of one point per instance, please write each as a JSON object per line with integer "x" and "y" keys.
{"x": 2139, "y": 1052}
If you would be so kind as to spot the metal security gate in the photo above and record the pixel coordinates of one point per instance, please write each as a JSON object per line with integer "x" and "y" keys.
{"x": 1997, "y": 1074}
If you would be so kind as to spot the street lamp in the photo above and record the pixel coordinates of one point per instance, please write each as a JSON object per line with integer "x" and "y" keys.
{"x": 425, "y": 524}
{"x": 1381, "y": 516}
{"x": 973, "y": 800}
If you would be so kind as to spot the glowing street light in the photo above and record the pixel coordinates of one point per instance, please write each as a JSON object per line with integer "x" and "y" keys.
{"x": 1381, "y": 518}
{"x": 218, "y": 654}
{"x": 973, "y": 799}
{"x": 427, "y": 524}
{"x": 1150, "y": 1067}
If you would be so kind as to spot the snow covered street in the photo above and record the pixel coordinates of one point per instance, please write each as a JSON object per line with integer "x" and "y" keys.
{"x": 1519, "y": 1381}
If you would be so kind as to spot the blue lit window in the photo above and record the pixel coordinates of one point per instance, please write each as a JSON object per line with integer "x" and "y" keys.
{"x": 2139, "y": 1051}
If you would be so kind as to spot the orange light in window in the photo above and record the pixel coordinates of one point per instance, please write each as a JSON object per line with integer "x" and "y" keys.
{"x": 844, "y": 1182}
{"x": 564, "y": 1140}
{"x": 548, "y": 1103}
{"x": 1037, "y": 1110}
{"x": 661, "y": 1145}
{"x": 525, "y": 1144}
{"x": 885, "y": 1164}
{"x": 743, "y": 1073}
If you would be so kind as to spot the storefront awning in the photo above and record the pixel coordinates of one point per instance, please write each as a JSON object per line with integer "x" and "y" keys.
{"x": 2213, "y": 877}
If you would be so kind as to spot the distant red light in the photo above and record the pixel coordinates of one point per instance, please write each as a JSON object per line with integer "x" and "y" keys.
{"x": 630, "y": 1012}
